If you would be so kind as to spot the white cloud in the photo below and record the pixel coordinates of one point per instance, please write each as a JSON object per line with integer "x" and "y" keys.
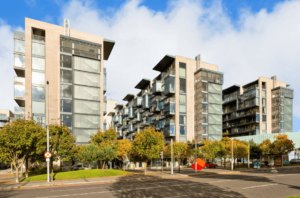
{"x": 262, "y": 44}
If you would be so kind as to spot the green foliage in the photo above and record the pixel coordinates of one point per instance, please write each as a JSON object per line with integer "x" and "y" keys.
{"x": 107, "y": 154}
{"x": 90, "y": 153}
{"x": 214, "y": 149}
{"x": 123, "y": 149}
{"x": 255, "y": 150}
{"x": 102, "y": 139}
{"x": 77, "y": 151}
{"x": 181, "y": 150}
{"x": 282, "y": 145}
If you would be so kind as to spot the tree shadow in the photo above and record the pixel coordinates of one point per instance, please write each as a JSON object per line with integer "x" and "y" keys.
{"x": 161, "y": 188}
{"x": 10, "y": 193}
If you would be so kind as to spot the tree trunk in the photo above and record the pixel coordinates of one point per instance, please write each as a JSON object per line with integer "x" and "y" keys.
{"x": 124, "y": 164}
{"x": 179, "y": 165}
{"x": 103, "y": 165}
{"x": 51, "y": 165}
{"x": 89, "y": 165}
{"x": 97, "y": 164}
{"x": 224, "y": 162}
{"x": 11, "y": 168}
{"x": 82, "y": 164}
{"x": 17, "y": 172}
{"x": 146, "y": 167}
{"x": 26, "y": 164}
{"x": 21, "y": 169}
{"x": 234, "y": 163}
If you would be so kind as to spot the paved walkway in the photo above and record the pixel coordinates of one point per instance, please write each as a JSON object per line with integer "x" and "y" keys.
{"x": 8, "y": 182}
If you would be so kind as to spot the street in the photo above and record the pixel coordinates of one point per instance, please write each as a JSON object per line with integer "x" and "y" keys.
{"x": 253, "y": 184}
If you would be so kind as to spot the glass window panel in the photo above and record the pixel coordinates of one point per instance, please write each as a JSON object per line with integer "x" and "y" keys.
{"x": 84, "y": 78}
{"x": 182, "y": 119}
{"x": 38, "y": 78}
{"x": 182, "y": 108}
{"x": 86, "y": 121}
{"x": 214, "y": 119}
{"x": 182, "y": 83}
{"x": 204, "y": 108}
{"x": 263, "y": 101}
{"x": 19, "y": 46}
{"x": 215, "y": 129}
{"x": 182, "y": 72}
{"x": 65, "y": 76}
{"x": 38, "y": 93}
{"x": 288, "y": 101}
{"x": 66, "y": 91}
{"x": 264, "y": 110}
{"x": 88, "y": 93}
{"x": 19, "y": 60}
{"x": 182, "y": 99}
{"x": 288, "y": 117}
{"x": 264, "y": 126}
{"x": 38, "y": 49}
{"x": 66, "y": 120}
{"x": 86, "y": 64}
{"x": 39, "y": 119}
{"x": 182, "y": 130}
{"x": 257, "y": 117}
{"x": 288, "y": 127}
{"x": 204, "y": 129}
{"x": 214, "y": 98}
{"x": 19, "y": 91}
{"x": 264, "y": 118}
{"x": 38, "y": 107}
{"x": 204, "y": 118}
{"x": 169, "y": 84}
{"x": 214, "y": 88}
{"x": 83, "y": 135}
{"x": 215, "y": 108}
{"x": 38, "y": 63}
{"x": 87, "y": 107}
{"x": 65, "y": 61}
{"x": 204, "y": 86}
{"x": 66, "y": 105}
{"x": 263, "y": 93}
{"x": 288, "y": 109}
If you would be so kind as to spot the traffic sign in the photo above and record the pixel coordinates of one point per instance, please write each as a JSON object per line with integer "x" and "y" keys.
{"x": 47, "y": 155}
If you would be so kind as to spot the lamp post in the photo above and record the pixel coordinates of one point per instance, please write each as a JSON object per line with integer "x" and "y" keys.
{"x": 161, "y": 153}
{"x": 48, "y": 159}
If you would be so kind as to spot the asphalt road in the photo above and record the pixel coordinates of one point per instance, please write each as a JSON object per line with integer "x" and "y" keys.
{"x": 284, "y": 183}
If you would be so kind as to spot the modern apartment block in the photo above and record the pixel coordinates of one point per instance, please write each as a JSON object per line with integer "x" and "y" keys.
{"x": 108, "y": 107}
{"x": 184, "y": 102}
{"x": 5, "y": 117}
{"x": 73, "y": 64}
{"x": 263, "y": 106}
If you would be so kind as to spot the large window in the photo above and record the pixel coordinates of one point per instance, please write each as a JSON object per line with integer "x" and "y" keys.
{"x": 215, "y": 88}
{"x": 66, "y": 105}
{"x": 38, "y": 49}
{"x": 38, "y": 63}
{"x": 19, "y": 60}
{"x": 38, "y": 93}
{"x": 215, "y": 98}
{"x": 38, "y": 78}
{"x": 66, "y": 91}
{"x": 19, "y": 46}
{"x": 65, "y": 61}
{"x": 182, "y": 99}
{"x": 88, "y": 93}
{"x": 65, "y": 76}
{"x": 87, "y": 107}
{"x": 38, "y": 107}
{"x": 182, "y": 83}
{"x": 66, "y": 120}
{"x": 214, "y": 119}
{"x": 86, "y": 121}
{"x": 83, "y": 135}
{"x": 182, "y": 68}
{"x": 182, "y": 130}
{"x": 89, "y": 79}
{"x": 182, "y": 119}
{"x": 86, "y": 64}
{"x": 19, "y": 91}
{"x": 215, "y": 129}
{"x": 215, "y": 108}
{"x": 182, "y": 108}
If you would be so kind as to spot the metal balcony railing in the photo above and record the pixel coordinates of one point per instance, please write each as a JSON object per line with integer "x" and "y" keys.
{"x": 38, "y": 38}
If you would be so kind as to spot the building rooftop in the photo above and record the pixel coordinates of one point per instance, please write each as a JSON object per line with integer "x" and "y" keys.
{"x": 143, "y": 84}
{"x": 231, "y": 89}
{"x": 108, "y": 46}
{"x": 164, "y": 63}
{"x": 128, "y": 97}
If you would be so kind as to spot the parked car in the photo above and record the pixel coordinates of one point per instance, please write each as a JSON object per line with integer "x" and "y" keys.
{"x": 210, "y": 165}
{"x": 295, "y": 161}
{"x": 78, "y": 166}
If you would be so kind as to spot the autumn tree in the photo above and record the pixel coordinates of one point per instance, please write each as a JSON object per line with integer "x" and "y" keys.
{"x": 282, "y": 145}
{"x": 227, "y": 146}
{"x": 18, "y": 140}
{"x": 61, "y": 143}
{"x": 107, "y": 154}
{"x": 77, "y": 151}
{"x": 147, "y": 145}
{"x": 181, "y": 151}
{"x": 102, "y": 139}
{"x": 123, "y": 150}
{"x": 90, "y": 153}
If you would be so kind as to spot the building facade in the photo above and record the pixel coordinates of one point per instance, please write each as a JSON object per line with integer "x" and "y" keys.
{"x": 263, "y": 106}
{"x": 72, "y": 62}
{"x": 184, "y": 102}
{"x": 5, "y": 117}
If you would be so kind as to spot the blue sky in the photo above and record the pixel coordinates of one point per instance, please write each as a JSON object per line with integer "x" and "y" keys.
{"x": 245, "y": 38}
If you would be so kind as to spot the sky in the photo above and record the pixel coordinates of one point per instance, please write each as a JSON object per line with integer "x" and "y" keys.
{"x": 245, "y": 38}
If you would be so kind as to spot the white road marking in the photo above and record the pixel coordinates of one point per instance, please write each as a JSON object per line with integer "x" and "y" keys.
{"x": 260, "y": 186}
{"x": 218, "y": 181}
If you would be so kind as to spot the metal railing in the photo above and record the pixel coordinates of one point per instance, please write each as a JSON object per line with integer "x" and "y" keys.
{"x": 19, "y": 35}
{"x": 38, "y": 38}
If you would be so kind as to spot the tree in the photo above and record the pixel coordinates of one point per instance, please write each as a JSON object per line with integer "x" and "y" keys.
{"x": 147, "y": 145}
{"x": 227, "y": 145}
{"x": 282, "y": 145}
{"x": 90, "y": 153}
{"x": 18, "y": 141}
{"x": 181, "y": 151}
{"x": 255, "y": 150}
{"x": 240, "y": 149}
{"x": 77, "y": 151}
{"x": 123, "y": 150}
{"x": 61, "y": 143}
{"x": 214, "y": 149}
{"x": 107, "y": 154}
{"x": 102, "y": 139}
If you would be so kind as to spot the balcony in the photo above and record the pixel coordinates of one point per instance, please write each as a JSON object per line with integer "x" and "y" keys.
{"x": 19, "y": 35}
{"x": 138, "y": 102}
{"x": 146, "y": 101}
{"x": 155, "y": 104}
{"x": 3, "y": 117}
{"x": 130, "y": 113}
{"x": 138, "y": 116}
{"x": 38, "y": 38}
{"x": 169, "y": 131}
{"x": 19, "y": 94}
{"x": 169, "y": 85}
{"x": 19, "y": 80}
{"x": 125, "y": 112}
{"x": 104, "y": 106}
{"x": 170, "y": 122}
{"x": 170, "y": 109}
{"x": 156, "y": 87}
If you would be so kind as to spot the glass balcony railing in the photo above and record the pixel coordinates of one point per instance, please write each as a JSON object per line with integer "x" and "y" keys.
{"x": 170, "y": 122}
{"x": 130, "y": 113}
{"x": 169, "y": 131}
{"x": 19, "y": 91}
{"x": 3, "y": 117}
{"x": 169, "y": 85}
{"x": 104, "y": 79}
{"x": 38, "y": 38}
{"x": 146, "y": 101}
{"x": 19, "y": 35}
{"x": 156, "y": 87}
{"x": 170, "y": 109}
{"x": 19, "y": 80}
{"x": 125, "y": 112}
{"x": 138, "y": 101}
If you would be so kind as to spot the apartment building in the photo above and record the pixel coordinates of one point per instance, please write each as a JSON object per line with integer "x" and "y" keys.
{"x": 5, "y": 117}
{"x": 184, "y": 102}
{"x": 72, "y": 62}
{"x": 109, "y": 106}
{"x": 263, "y": 106}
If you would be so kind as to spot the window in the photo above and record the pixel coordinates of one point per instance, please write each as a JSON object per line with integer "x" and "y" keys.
{"x": 182, "y": 83}
{"x": 264, "y": 110}
{"x": 204, "y": 129}
{"x": 38, "y": 107}
{"x": 204, "y": 108}
{"x": 215, "y": 108}
{"x": 65, "y": 76}
{"x": 38, "y": 78}
{"x": 86, "y": 121}
{"x": 182, "y": 130}
{"x": 86, "y": 64}
{"x": 263, "y": 101}
{"x": 182, "y": 119}
{"x": 38, "y": 93}
{"x": 38, "y": 49}
{"x": 263, "y": 93}
{"x": 19, "y": 91}
{"x": 264, "y": 118}
{"x": 87, "y": 107}
{"x": 182, "y": 99}
{"x": 214, "y": 119}
{"x": 66, "y": 120}
{"x": 204, "y": 119}
{"x": 19, "y": 60}
{"x": 182, "y": 68}
{"x": 214, "y": 88}
{"x": 182, "y": 108}
{"x": 65, "y": 61}
{"x": 38, "y": 63}
{"x": 19, "y": 46}
{"x": 66, "y": 105}
{"x": 88, "y": 93}
{"x": 204, "y": 86}
{"x": 257, "y": 118}
{"x": 39, "y": 119}
{"x": 264, "y": 126}
{"x": 215, "y": 98}
{"x": 84, "y": 78}
{"x": 66, "y": 91}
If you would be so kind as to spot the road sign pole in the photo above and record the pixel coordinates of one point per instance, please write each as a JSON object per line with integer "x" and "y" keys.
{"x": 248, "y": 154}
{"x": 48, "y": 161}
{"x": 171, "y": 156}
{"x": 232, "y": 155}
{"x": 195, "y": 155}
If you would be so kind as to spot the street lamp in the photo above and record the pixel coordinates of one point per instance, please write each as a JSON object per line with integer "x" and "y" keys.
{"x": 48, "y": 159}
{"x": 161, "y": 153}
